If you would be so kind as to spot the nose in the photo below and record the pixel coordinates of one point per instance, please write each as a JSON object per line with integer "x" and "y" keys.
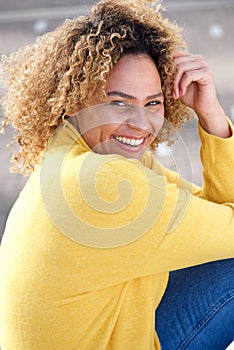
{"x": 139, "y": 118}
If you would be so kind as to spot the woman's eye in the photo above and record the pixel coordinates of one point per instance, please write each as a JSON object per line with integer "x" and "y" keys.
{"x": 154, "y": 103}
{"x": 118, "y": 103}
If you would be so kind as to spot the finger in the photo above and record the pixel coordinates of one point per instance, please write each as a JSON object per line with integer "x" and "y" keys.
{"x": 200, "y": 76}
{"x": 185, "y": 68}
{"x": 182, "y": 69}
{"x": 180, "y": 53}
{"x": 189, "y": 58}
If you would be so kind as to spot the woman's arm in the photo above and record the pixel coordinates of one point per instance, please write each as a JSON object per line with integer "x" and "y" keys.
{"x": 218, "y": 163}
{"x": 143, "y": 224}
{"x": 195, "y": 86}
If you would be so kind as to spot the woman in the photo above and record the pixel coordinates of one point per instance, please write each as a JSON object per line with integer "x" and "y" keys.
{"x": 89, "y": 243}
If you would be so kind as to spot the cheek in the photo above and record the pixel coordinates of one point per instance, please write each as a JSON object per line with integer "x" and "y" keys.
{"x": 161, "y": 123}
{"x": 97, "y": 135}
{"x": 162, "y": 115}
{"x": 92, "y": 137}
{"x": 158, "y": 121}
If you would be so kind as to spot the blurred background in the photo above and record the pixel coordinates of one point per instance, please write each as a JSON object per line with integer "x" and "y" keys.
{"x": 208, "y": 29}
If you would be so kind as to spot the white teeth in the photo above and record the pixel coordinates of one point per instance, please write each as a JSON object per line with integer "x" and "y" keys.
{"x": 132, "y": 142}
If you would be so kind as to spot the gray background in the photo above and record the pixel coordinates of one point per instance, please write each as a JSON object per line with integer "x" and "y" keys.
{"x": 208, "y": 29}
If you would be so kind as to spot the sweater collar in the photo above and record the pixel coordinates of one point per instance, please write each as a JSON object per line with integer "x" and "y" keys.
{"x": 71, "y": 134}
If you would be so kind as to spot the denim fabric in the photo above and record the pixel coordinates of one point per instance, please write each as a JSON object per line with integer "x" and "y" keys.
{"x": 197, "y": 310}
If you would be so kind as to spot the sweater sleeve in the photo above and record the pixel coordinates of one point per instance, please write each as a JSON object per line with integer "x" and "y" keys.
{"x": 217, "y": 161}
{"x": 218, "y": 164}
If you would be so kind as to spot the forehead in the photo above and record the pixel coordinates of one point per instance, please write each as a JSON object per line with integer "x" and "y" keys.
{"x": 134, "y": 72}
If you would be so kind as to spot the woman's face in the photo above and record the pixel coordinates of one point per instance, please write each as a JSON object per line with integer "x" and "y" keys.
{"x": 133, "y": 113}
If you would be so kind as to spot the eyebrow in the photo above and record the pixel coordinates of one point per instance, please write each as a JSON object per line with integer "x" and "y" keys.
{"x": 130, "y": 97}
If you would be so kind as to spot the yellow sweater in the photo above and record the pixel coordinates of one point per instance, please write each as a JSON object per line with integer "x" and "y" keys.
{"x": 88, "y": 245}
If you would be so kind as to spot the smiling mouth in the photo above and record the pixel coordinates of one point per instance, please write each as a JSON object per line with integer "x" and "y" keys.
{"x": 130, "y": 141}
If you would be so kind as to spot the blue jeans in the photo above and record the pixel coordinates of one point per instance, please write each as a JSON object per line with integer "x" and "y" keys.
{"x": 197, "y": 309}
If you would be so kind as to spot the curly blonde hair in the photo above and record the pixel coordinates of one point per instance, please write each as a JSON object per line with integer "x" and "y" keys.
{"x": 59, "y": 73}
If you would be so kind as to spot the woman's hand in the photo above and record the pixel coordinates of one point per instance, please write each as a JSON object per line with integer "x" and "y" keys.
{"x": 194, "y": 84}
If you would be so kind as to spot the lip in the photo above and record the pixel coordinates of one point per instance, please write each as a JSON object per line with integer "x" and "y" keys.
{"x": 130, "y": 148}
